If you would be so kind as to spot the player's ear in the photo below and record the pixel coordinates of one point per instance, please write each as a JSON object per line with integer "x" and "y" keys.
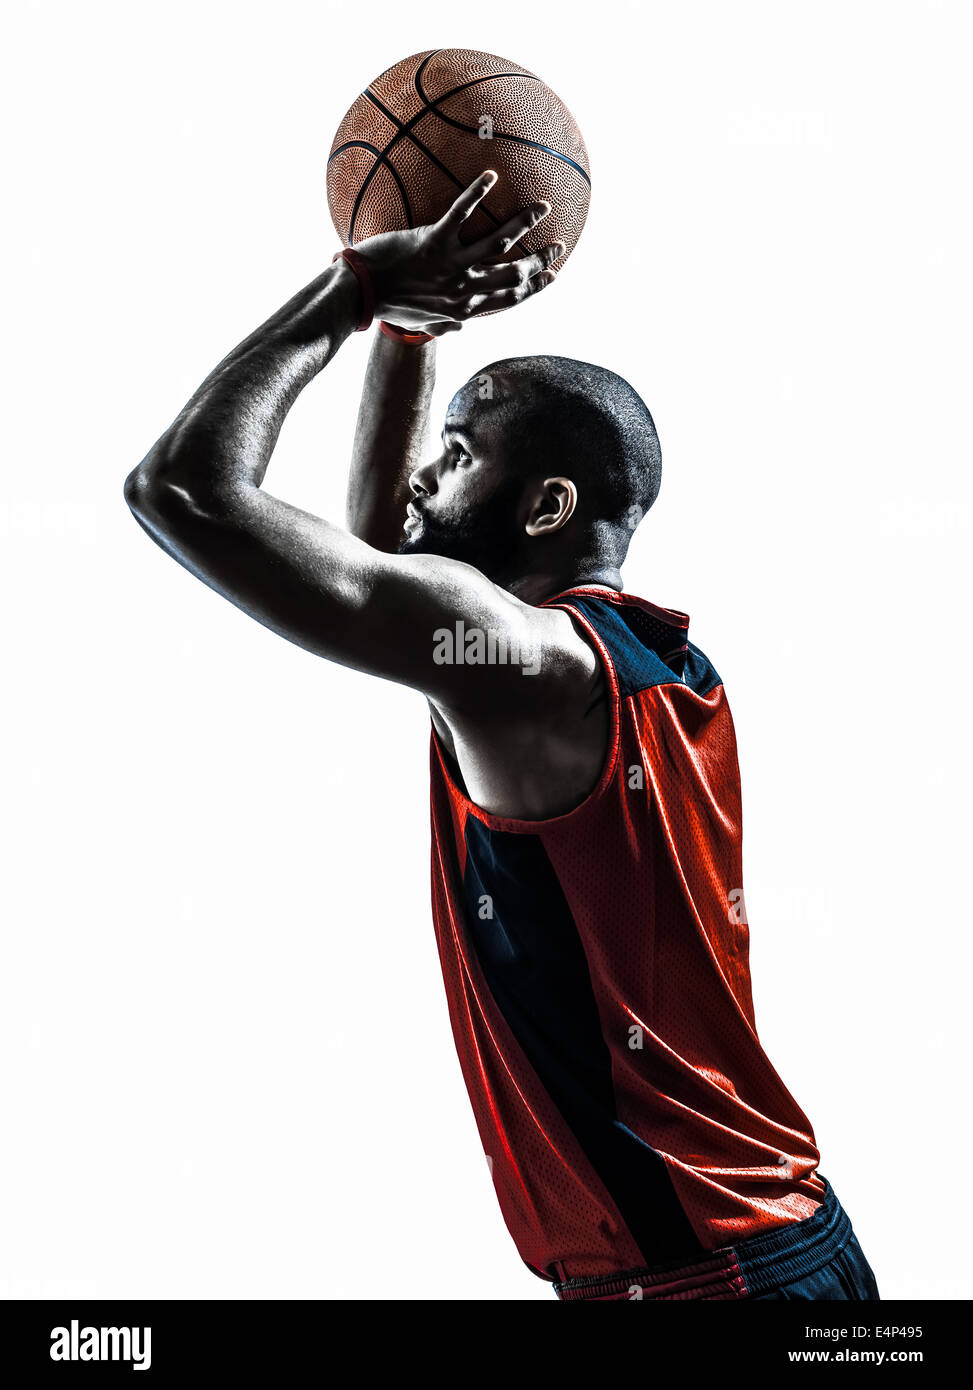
{"x": 552, "y": 508}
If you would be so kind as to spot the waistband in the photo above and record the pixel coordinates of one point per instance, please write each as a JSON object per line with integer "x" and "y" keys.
{"x": 750, "y": 1267}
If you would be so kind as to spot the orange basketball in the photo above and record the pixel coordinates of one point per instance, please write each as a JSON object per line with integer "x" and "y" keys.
{"x": 422, "y": 132}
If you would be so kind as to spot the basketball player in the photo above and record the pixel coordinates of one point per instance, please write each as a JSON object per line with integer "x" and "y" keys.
{"x": 586, "y": 820}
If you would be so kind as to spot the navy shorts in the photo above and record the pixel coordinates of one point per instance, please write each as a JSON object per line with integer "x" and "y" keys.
{"x": 817, "y": 1258}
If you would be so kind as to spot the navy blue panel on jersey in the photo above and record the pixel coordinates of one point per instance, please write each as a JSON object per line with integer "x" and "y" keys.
{"x": 646, "y": 650}
{"x": 700, "y": 674}
{"x": 530, "y": 952}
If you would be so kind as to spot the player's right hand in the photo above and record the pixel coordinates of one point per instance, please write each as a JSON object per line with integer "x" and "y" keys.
{"x": 426, "y": 280}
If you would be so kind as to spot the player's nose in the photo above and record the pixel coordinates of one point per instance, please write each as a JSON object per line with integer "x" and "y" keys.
{"x": 423, "y": 480}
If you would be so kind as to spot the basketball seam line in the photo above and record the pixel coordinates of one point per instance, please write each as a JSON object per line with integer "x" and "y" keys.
{"x": 379, "y": 159}
{"x": 490, "y": 77}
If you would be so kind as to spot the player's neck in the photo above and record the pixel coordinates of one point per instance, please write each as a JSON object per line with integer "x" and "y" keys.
{"x": 535, "y": 588}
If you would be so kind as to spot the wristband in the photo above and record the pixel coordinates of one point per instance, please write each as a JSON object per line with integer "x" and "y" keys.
{"x": 402, "y": 335}
{"x": 359, "y": 266}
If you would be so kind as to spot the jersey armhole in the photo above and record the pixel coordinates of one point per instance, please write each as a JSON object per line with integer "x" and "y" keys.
{"x": 519, "y": 826}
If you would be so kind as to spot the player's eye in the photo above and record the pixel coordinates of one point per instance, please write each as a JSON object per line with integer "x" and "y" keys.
{"x": 461, "y": 456}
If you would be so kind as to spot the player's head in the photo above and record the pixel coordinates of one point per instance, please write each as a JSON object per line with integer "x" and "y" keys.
{"x": 546, "y": 463}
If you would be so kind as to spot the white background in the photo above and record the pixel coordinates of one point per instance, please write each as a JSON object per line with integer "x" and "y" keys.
{"x": 227, "y": 1064}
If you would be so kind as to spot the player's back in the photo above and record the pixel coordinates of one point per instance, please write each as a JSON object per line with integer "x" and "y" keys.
{"x": 597, "y": 974}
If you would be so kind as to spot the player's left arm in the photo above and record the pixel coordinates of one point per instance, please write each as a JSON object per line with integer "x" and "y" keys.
{"x": 199, "y": 494}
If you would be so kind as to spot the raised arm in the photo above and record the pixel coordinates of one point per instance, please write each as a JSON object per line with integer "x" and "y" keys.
{"x": 199, "y": 493}
{"x": 389, "y": 438}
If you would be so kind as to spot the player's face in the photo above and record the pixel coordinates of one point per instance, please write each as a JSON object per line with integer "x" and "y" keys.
{"x": 465, "y": 502}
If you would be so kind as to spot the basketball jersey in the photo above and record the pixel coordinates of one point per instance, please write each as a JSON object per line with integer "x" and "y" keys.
{"x": 597, "y": 977}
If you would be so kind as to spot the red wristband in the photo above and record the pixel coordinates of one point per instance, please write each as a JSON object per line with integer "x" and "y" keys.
{"x": 363, "y": 275}
{"x": 402, "y": 335}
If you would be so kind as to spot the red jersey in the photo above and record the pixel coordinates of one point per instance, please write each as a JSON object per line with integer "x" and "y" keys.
{"x": 598, "y": 981}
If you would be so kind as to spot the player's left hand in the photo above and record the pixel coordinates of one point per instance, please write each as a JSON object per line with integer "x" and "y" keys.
{"x": 426, "y": 280}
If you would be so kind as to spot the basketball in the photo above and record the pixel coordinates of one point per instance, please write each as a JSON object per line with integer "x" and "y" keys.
{"x": 422, "y": 132}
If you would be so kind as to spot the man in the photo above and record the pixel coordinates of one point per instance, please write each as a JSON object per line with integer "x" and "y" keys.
{"x": 586, "y": 851}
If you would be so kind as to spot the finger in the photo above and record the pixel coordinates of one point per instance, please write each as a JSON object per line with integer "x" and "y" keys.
{"x": 512, "y": 273}
{"x": 464, "y": 205}
{"x": 499, "y": 242}
{"x": 505, "y": 299}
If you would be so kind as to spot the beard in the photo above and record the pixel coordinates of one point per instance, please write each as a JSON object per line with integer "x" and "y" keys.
{"x": 481, "y": 539}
